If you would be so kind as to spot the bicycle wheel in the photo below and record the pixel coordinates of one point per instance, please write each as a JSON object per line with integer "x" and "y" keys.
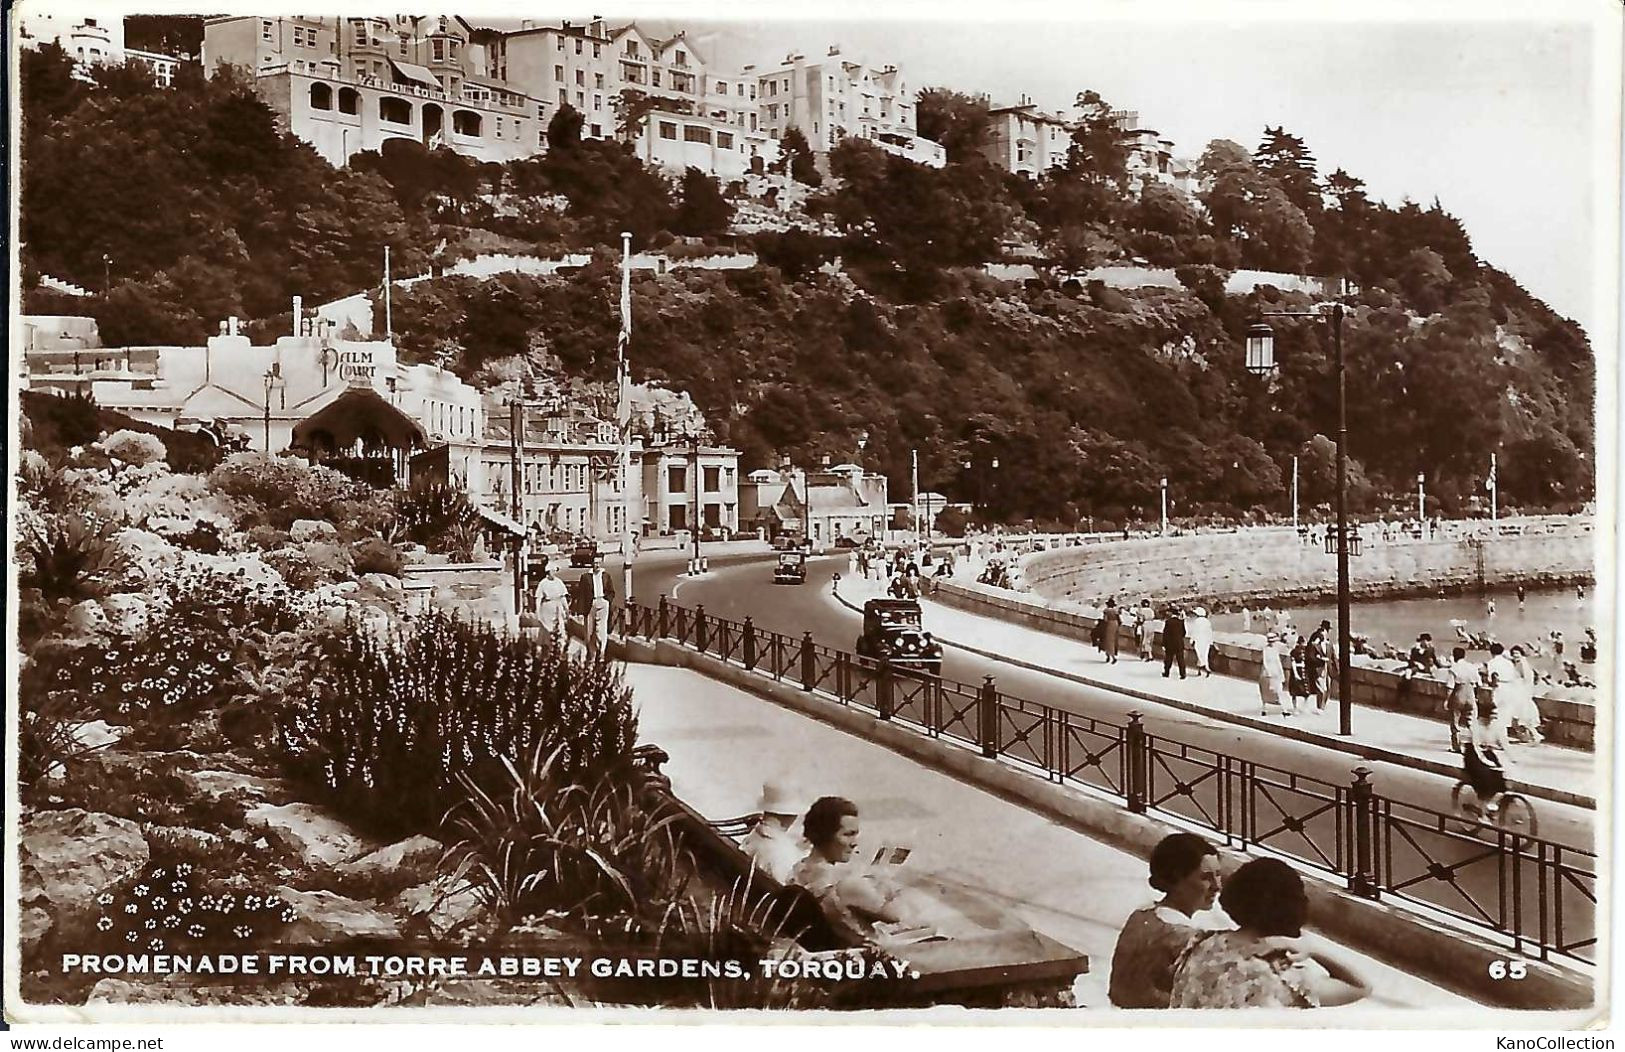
{"x": 1516, "y": 815}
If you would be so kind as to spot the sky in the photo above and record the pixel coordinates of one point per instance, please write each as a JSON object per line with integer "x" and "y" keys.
{"x": 1493, "y": 108}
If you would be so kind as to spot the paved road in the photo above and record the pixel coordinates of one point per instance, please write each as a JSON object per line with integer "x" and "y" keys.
{"x": 745, "y": 588}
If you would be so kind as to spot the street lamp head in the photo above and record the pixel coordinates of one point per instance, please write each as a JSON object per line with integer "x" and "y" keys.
{"x": 1260, "y": 349}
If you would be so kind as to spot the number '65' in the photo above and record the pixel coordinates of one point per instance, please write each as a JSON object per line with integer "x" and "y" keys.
{"x": 1508, "y": 969}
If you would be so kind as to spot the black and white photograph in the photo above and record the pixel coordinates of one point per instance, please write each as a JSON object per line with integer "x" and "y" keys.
{"x": 1070, "y": 515}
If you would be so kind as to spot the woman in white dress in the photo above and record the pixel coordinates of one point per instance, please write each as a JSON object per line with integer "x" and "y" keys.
{"x": 1271, "y": 675}
{"x": 552, "y": 604}
{"x": 1200, "y": 632}
{"x": 1516, "y": 699}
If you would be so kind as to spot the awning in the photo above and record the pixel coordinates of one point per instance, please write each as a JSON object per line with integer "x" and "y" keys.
{"x": 500, "y": 521}
{"x": 357, "y": 413}
{"x": 409, "y": 71}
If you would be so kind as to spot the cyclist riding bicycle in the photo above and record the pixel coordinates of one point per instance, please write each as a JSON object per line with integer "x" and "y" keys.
{"x": 1485, "y": 760}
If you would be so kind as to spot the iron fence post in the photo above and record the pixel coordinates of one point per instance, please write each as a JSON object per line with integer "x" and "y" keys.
{"x": 809, "y": 662}
{"x": 884, "y": 703}
{"x": 699, "y": 629}
{"x": 665, "y": 617}
{"x": 987, "y": 710}
{"x": 1134, "y": 751}
{"x": 750, "y": 645}
{"x": 1362, "y": 879}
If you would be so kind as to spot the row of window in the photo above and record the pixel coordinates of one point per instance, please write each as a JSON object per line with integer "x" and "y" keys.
{"x": 677, "y": 478}
{"x": 696, "y": 133}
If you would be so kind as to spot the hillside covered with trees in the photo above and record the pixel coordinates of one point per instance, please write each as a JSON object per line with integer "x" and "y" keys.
{"x": 1086, "y": 395}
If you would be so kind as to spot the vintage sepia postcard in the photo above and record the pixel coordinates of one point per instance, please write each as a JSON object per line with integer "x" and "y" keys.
{"x": 1075, "y": 515}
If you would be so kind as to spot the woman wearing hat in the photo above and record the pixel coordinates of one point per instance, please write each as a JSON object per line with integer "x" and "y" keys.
{"x": 1199, "y": 630}
{"x": 1271, "y": 674}
{"x": 773, "y": 843}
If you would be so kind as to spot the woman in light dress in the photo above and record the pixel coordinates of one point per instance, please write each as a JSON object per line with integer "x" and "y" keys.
{"x": 1263, "y": 963}
{"x": 1516, "y": 699}
{"x": 1200, "y": 632}
{"x": 1271, "y": 675}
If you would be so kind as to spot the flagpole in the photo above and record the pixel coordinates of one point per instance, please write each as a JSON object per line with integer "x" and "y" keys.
{"x": 914, "y": 476}
{"x": 623, "y": 415}
{"x": 389, "y": 317}
{"x": 1495, "y": 490}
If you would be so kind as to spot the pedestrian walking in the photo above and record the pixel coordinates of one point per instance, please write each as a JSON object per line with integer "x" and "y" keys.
{"x": 595, "y": 594}
{"x": 1298, "y": 685}
{"x": 1111, "y": 624}
{"x": 1271, "y": 676}
{"x": 1317, "y": 665}
{"x": 552, "y": 605}
{"x": 1518, "y": 696}
{"x": 1246, "y": 619}
{"x": 1522, "y": 595}
{"x": 1489, "y": 607}
{"x": 1173, "y": 641}
{"x": 1144, "y": 630}
{"x": 1200, "y": 631}
{"x": 1462, "y": 679}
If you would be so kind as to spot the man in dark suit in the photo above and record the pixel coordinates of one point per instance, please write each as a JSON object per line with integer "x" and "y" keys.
{"x": 594, "y": 595}
{"x": 1173, "y": 641}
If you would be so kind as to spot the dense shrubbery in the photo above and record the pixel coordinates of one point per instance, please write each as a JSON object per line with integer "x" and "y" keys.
{"x": 276, "y": 491}
{"x": 389, "y": 724}
{"x": 437, "y": 516}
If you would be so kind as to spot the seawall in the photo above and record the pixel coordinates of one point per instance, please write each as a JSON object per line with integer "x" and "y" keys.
{"x": 1275, "y": 565}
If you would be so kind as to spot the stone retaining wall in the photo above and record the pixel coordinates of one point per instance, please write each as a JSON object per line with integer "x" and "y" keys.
{"x": 1256, "y": 565}
{"x": 1566, "y": 721}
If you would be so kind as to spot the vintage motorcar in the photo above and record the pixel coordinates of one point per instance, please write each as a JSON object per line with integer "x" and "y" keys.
{"x": 787, "y": 542}
{"x": 585, "y": 552}
{"x": 792, "y": 568}
{"x": 893, "y": 635}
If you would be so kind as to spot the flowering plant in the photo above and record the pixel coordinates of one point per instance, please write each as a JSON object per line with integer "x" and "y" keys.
{"x": 169, "y": 908}
{"x": 389, "y": 722}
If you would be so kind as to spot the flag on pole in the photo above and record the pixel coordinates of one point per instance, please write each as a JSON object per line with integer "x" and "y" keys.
{"x": 623, "y": 408}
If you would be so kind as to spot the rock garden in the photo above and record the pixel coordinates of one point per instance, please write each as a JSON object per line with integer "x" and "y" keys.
{"x": 237, "y": 737}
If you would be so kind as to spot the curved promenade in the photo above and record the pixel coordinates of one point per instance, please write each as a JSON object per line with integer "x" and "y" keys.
{"x": 1273, "y": 565}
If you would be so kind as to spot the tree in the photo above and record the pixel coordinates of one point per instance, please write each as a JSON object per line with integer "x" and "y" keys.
{"x": 1099, "y": 151}
{"x": 797, "y": 155}
{"x": 632, "y": 109}
{"x": 564, "y": 130}
{"x": 704, "y": 212}
{"x": 1284, "y": 158}
{"x": 1317, "y": 476}
{"x": 1248, "y": 205}
{"x": 958, "y": 121}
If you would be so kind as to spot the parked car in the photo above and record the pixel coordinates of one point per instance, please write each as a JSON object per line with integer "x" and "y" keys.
{"x": 845, "y": 543}
{"x": 585, "y": 552}
{"x": 716, "y": 533}
{"x": 787, "y": 542}
{"x": 893, "y": 635}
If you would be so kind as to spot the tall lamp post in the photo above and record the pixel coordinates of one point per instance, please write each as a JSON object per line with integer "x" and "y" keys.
{"x": 695, "y": 566}
{"x": 1261, "y": 362}
{"x": 1294, "y": 491}
{"x": 1421, "y": 498}
{"x": 1165, "y": 507}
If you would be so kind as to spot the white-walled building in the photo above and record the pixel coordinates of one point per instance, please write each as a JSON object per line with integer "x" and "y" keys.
{"x": 350, "y": 84}
{"x": 837, "y": 97}
{"x": 331, "y": 399}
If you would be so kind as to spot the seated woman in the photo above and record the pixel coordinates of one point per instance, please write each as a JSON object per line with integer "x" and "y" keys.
{"x": 1185, "y": 868}
{"x": 1262, "y": 964}
{"x": 846, "y": 891}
